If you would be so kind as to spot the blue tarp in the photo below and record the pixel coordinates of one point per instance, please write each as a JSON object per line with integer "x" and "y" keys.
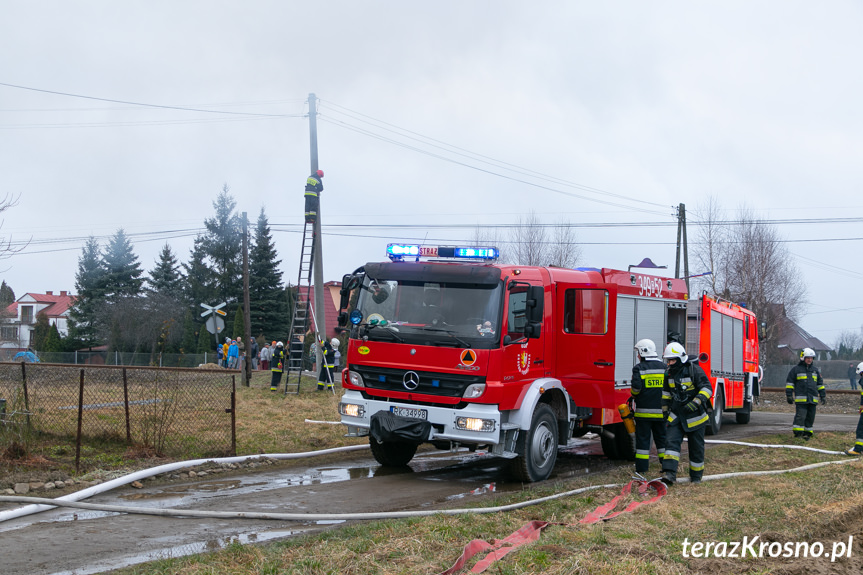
{"x": 27, "y": 356}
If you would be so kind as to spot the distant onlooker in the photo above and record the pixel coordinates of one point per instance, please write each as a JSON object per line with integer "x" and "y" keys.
{"x": 265, "y": 357}
{"x": 253, "y": 353}
{"x": 233, "y": 355}
{"x": 852, "y": 375}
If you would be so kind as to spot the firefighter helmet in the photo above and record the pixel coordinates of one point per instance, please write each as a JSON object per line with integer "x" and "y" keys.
{"x": 646, "y": 348}
{"x": 335, "y": 342}
{"x": 320, "y": 173}
{"x": 860, "y": 368}
{"x": 675, "y": 350}
{"x": 807, "y": 352}
{"x": 280, "y": 344}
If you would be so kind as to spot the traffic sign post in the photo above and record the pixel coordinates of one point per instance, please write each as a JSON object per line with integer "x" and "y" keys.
{"x": 215, "y": 324}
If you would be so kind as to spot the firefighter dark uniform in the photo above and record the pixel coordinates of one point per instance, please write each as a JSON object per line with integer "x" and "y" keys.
{"x": 277, "y": 365}
{"x": 325, "y": 377}
{"x": 314, "y": 186}
{"x": 804, "y": 387}
{"x": 648, "y": 377}
{"x": 685, "y": 396}
{"x": 858, "y": 444}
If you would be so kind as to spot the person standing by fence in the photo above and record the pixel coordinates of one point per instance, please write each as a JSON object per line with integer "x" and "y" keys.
{"x": 265, "y": 357}
{"x": 852, "y": 375}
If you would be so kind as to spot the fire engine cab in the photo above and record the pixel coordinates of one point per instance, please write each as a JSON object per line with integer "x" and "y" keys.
{"x": 449, "y": 348}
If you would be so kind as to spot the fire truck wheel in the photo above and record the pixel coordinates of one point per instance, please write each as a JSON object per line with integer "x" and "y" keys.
{"x": 537, "y": 448}
{"x": 742, "y": 416}
{"x": 714, "y": 424}
{"x": 392, "y": 453}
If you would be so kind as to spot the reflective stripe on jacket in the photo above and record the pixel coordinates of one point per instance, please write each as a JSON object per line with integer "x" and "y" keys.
{"x": 804, "y": 384}
{"x": 648, "y": 379}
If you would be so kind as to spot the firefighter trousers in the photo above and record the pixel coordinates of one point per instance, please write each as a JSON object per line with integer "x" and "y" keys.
{"x": 858, "y": 444}
{"x": 644, "y": 428}
{"x": 804, "y": 417}
{"x": 276, "y": 380}
{"x": 325, "y": 377}
{"x": 674, "y": 439}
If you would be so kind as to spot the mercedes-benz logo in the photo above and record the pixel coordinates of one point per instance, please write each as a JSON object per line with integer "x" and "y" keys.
{"x": 411, "y": 380}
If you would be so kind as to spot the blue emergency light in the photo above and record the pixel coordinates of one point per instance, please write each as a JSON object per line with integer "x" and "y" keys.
{"x": 399, "y": 252}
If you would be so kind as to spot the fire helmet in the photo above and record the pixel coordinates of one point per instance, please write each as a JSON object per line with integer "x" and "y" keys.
{"x": 646, "y": 348}
{"x": 675, "y": 350}
{"x": 860, "y": 368}
{"x": 320, "y": 173}
{"x": 807, "y": 352}
{"x": 335, "y": 342}
{"x": 280, "y": 344}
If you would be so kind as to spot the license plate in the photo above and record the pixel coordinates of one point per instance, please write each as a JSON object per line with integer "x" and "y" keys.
{"x": 410, "y": 412}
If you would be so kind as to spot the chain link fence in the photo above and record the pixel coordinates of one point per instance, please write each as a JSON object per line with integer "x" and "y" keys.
{"x": 102, "y": 357}
{"x": 188, "y": 413}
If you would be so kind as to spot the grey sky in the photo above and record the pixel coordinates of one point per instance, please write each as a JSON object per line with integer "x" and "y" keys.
{"x": 664, "y": 102}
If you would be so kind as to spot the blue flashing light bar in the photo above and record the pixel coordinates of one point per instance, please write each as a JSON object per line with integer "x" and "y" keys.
{"x": 399, "y": 252}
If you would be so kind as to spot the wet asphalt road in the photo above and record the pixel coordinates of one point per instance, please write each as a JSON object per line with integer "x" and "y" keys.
{"x": 69, "y": 541}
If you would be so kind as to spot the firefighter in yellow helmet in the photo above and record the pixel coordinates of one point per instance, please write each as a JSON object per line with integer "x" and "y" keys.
{"x": 648, "y": 377}
{"x": 803, "y": 388}
{"x": 686, "y": 395}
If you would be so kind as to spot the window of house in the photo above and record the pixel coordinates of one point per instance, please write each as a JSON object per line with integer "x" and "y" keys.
{"x": 27, "y": 314}
{"x": 585, "y": 311}
{"x": 9, "y": 333}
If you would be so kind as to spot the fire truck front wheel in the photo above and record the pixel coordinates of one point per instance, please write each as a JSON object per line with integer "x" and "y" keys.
{"x": 393, "y": 453}
{"x": 537, "y": 447}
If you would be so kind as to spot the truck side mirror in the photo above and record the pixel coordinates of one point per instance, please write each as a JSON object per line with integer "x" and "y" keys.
{"x": 534, "y": 308}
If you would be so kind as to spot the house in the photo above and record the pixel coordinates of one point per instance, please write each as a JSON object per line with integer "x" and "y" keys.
{"x": 19, "y": 317}
{"x": 792, "y": 339}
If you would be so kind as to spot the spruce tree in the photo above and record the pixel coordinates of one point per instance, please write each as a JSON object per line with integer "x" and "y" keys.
{"x": 53, "y": 342}
{"x": 84, "y": 320}
{"x": 166, "y": 278}
{"x": 122, "y": 268}
{"x": 222, "y": 244}
{"x": 40, "y": 332}
{"x": 7, "y": 296}
{"x": 199, "y": 282}
{"x": 266, "y": 297}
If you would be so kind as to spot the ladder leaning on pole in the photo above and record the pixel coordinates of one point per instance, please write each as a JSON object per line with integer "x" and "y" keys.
{"x": 300, "y": 313}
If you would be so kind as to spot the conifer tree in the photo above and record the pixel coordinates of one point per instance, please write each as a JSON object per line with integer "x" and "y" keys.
{"x": 222, "y": 245}
{"x": 122, "y": 269}
{"x": 7, "y": 296}
{"x": 89, "y": 281}
{"x": 266, "y": 296}
{"x": 166, "y": 278}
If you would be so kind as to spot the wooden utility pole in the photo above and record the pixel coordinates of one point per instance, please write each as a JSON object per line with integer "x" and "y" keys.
{"x": 247, "y": 314}
{"x": 318, "y": 263}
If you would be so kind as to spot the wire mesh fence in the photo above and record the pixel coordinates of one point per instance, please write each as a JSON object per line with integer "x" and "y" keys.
{"x": 104, "y": 357}
{"x": 176, "y": 412}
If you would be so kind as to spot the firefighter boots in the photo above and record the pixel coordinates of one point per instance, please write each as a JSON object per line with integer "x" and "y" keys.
{"x": 668, "y": 477}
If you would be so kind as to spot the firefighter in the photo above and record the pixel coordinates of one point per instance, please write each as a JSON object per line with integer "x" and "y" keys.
{"x": 802, "y": 385}
{"x": 325, "y": 377}
{"x": 686, "y": 396}
{"x": 648, "y": 377}
{"x": 858, "y": 444}
{"x": 277, "y": 365}
{"x": 313, "y": 188}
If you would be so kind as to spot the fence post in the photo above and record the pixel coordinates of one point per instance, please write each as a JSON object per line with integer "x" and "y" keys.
{"x": 233, "y": 415}
{"x": 126, "y": 404}
{"x": 26, "y": 392}
{"x": 80, "y": 424}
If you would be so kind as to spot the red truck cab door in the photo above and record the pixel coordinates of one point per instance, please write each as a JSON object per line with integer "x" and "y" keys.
{"x": 524, "y": 361}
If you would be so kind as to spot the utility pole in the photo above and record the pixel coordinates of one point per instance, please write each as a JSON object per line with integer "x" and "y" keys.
{"x": 681, "y": 241}
{"x": 318, "y": 263}
{"x": 247, "y": 321}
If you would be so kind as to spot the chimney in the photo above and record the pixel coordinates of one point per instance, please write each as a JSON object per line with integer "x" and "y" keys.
{"x": 63, "y": 293}
{"x": 49, "y": 293}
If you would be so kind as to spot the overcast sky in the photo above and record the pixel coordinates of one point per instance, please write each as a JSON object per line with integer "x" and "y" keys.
{"x": 135, "y": 114}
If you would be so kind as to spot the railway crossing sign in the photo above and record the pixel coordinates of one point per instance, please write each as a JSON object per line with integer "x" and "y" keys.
{"x": 215, "y": 323}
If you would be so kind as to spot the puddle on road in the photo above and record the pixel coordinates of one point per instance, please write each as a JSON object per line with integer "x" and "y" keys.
{"x": 183, "y": 550}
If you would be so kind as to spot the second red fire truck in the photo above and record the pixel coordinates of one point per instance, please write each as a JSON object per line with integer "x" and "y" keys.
{"x": 461, "y": 351}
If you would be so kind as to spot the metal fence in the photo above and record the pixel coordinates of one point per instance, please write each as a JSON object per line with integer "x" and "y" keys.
{"x": 186, "y": 413}
{"x": 118, "y": 358}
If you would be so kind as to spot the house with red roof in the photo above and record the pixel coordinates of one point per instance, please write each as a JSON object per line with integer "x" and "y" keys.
{"x": 19, "y": 317}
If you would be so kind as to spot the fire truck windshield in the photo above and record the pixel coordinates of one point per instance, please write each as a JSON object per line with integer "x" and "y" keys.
{"x": 431, "y": 313}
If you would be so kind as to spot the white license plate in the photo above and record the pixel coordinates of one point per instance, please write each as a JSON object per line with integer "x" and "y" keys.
{"x": 411, "y": 412}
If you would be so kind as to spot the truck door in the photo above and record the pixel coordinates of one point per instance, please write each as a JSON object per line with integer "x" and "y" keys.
{"x": 523, "y": 361}
{"x": 585, "y": 343}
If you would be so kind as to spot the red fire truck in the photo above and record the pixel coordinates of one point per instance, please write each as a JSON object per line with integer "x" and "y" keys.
{"x": 449, "y": 348}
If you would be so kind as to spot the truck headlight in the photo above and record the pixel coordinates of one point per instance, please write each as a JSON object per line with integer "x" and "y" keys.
{"x": 356, "y": 379}
{"x": 474, "y": 390}
{"x": 351, "y": 410}
{"x": 474, "y": 424}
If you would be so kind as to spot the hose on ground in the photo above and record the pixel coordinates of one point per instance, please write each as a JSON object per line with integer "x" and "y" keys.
{"x": 44, "y": 503}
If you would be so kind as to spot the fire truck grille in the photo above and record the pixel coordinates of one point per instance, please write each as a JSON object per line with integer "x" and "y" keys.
{"x": 425, "y": 382}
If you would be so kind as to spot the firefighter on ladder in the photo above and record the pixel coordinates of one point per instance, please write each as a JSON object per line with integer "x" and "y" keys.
{"x": 325, "y": 377}
{"x": 648, "y": 377}
{"x": 313, "y": 188}
{"x": 802, "y": 385}
{"x": 685, "y": 396}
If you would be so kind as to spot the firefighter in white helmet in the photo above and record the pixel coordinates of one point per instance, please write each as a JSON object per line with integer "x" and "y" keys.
{"x": 858, "y": 444}
{"x": 685, "y": 398}
{"x": 325, "y": 377}
{"x": 804, "y": 388}
{"x": 648, "y": 377}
